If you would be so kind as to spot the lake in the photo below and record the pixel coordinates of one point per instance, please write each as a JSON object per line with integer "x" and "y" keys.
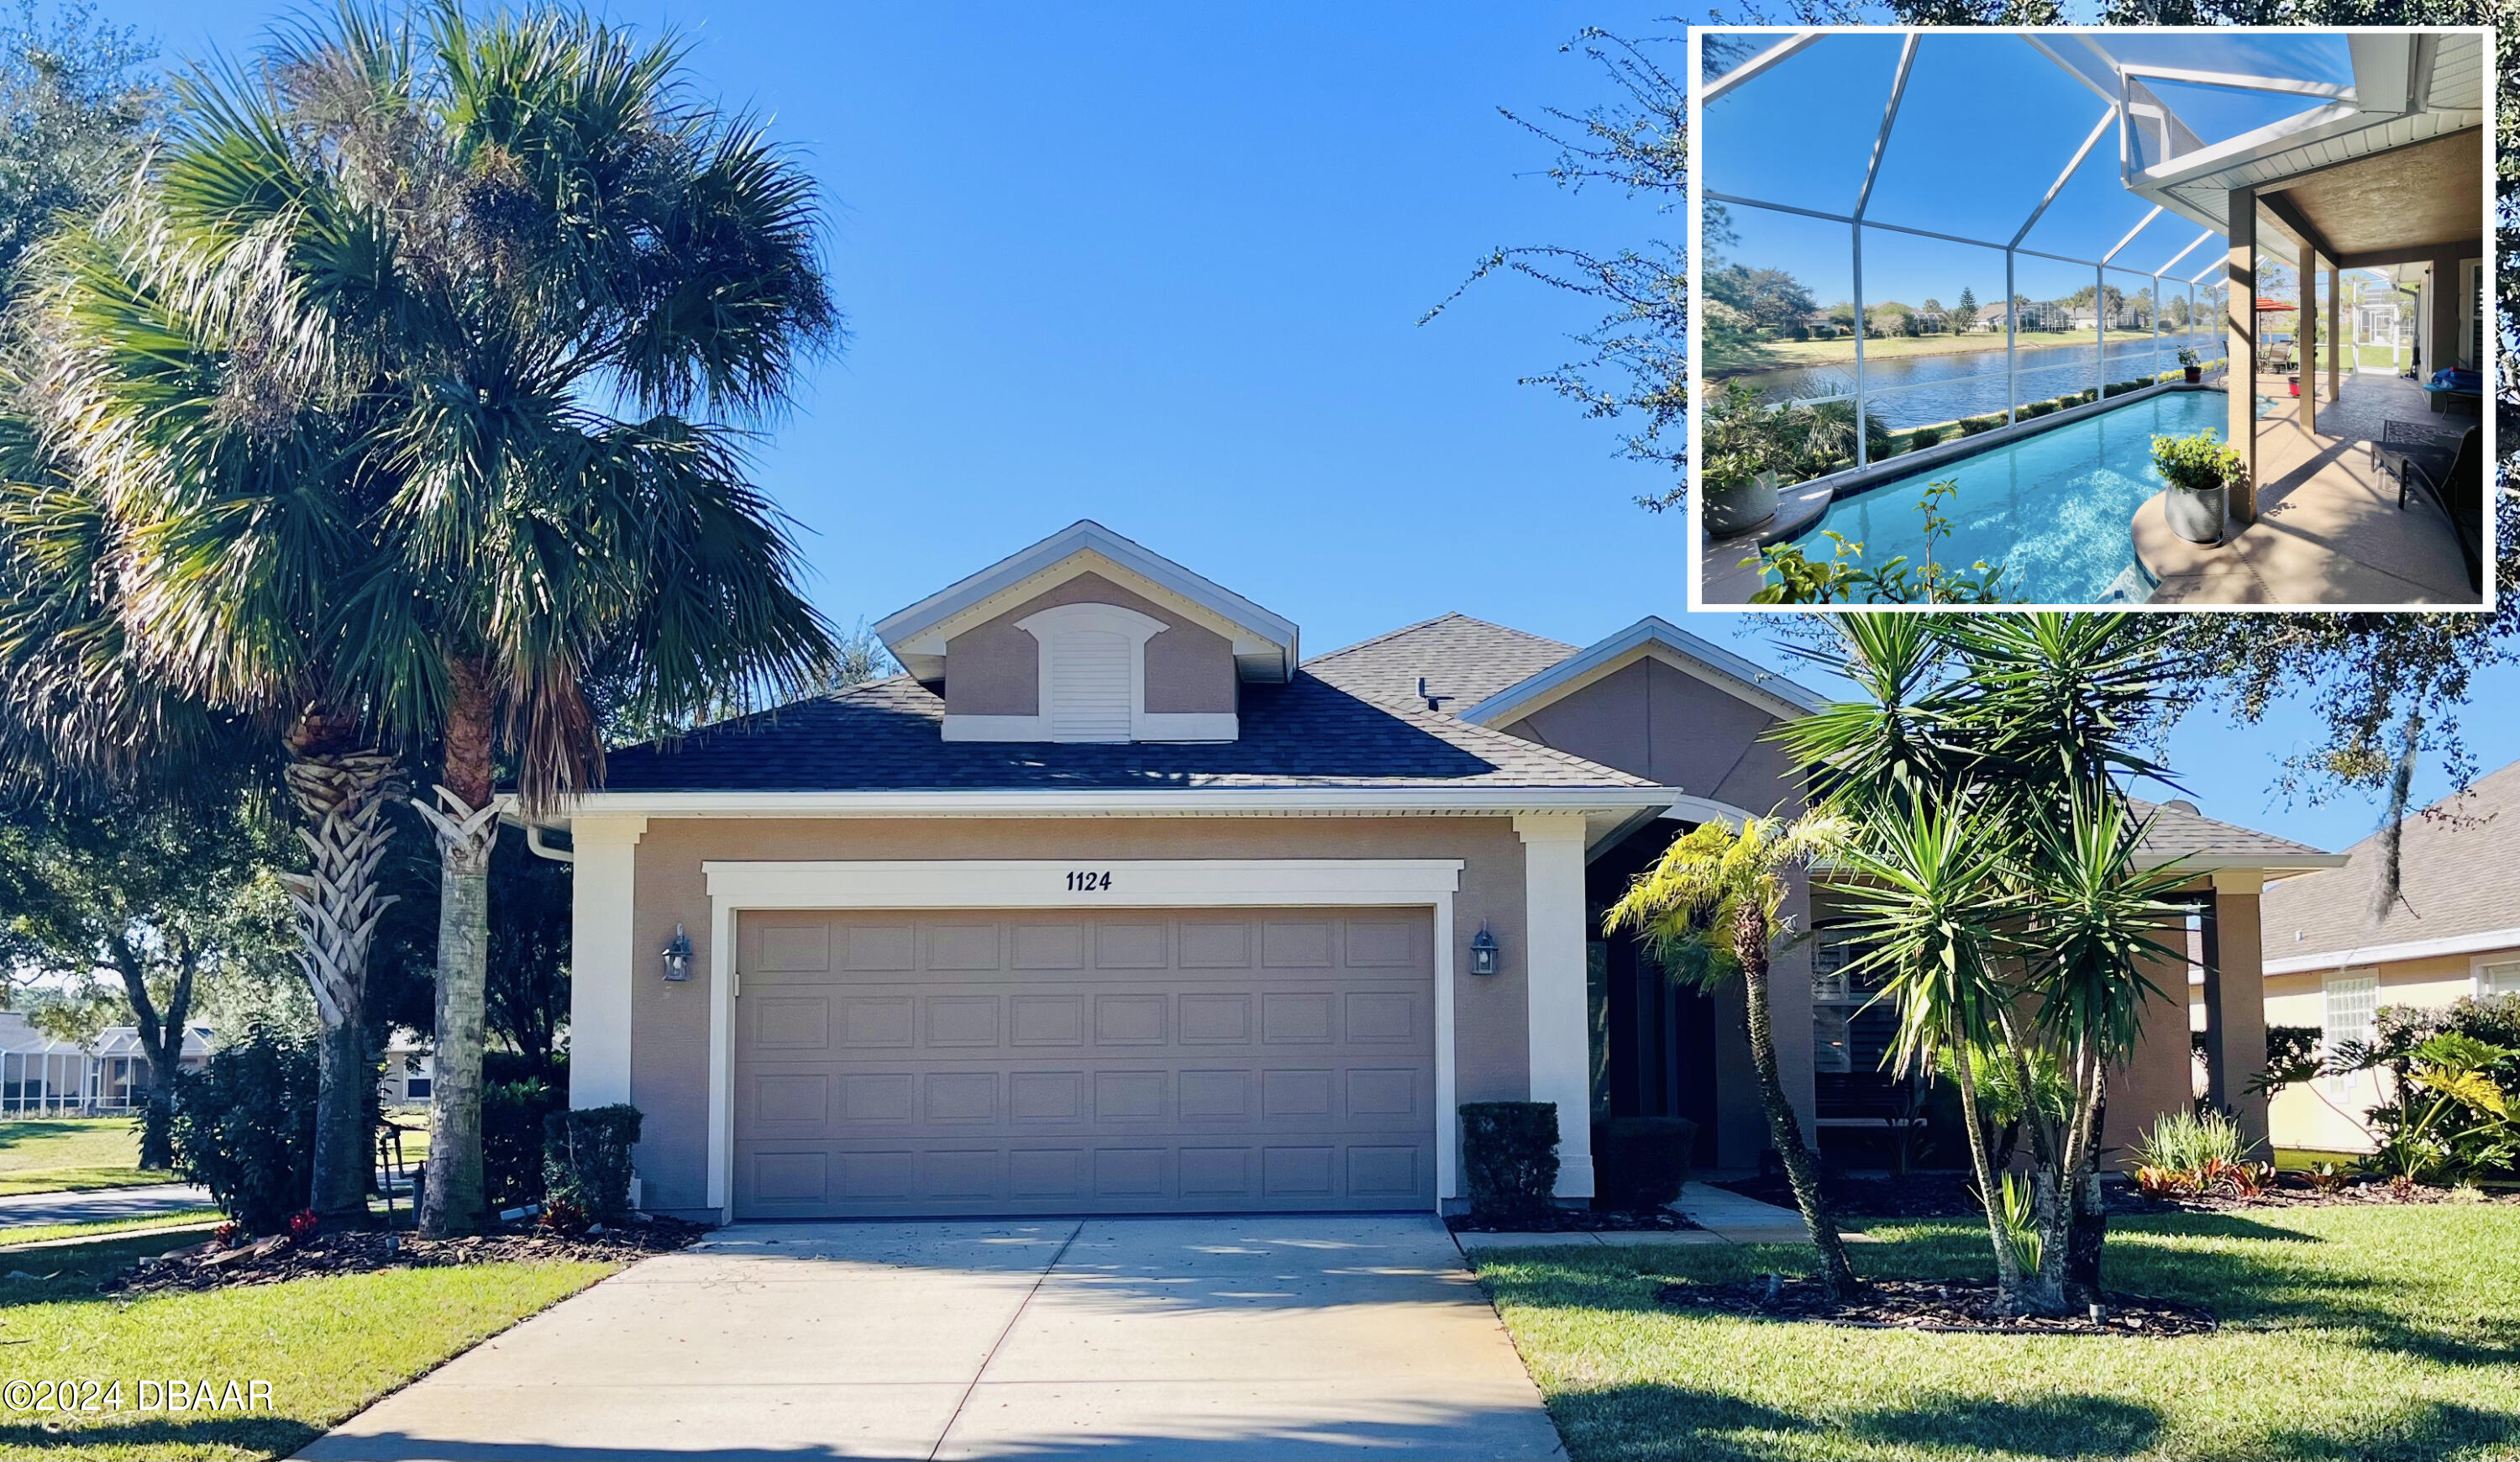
{"x": 1913, "y": 389}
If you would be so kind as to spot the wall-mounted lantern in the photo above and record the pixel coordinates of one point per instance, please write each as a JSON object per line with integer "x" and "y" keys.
{"x": 1483, "y": 952}
{"x": 678, "y": 955}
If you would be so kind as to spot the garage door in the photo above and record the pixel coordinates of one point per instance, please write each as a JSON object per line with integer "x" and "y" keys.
{"x": 1117, "y": 1061}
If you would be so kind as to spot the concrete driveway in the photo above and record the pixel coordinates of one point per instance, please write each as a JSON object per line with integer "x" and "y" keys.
{"x": 1269, "y": 1337}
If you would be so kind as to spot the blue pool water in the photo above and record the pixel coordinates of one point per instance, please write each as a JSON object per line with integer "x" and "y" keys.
{"x": 2056, "y": 510}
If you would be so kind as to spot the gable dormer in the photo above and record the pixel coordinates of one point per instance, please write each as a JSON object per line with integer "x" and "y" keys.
{"x": 1088, "y": 637}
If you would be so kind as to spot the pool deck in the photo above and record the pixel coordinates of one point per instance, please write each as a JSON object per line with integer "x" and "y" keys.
{"x": 2329, "y": 530}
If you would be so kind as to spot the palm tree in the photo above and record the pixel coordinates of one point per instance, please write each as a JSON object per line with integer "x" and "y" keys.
{"x": 482, "y": 284}
{"x": 1707, "y": 910}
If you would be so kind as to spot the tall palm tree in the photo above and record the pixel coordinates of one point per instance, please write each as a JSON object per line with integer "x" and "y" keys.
{"x": 507, "y": 296}
{"x": 1707, "y": 911}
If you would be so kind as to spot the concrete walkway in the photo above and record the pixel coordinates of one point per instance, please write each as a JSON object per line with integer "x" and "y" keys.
{"x": 36, "y": 1210}
{"x": 1333, "y": 1336}
{"x": 1722, "y": 1216}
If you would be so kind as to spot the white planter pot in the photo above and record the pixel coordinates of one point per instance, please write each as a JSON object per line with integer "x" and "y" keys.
{"x": 2196, "y": 517}
{"x": 1731, "y": 512}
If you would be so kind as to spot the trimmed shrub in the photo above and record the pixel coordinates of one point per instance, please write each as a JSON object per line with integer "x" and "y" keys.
{"x": 1510, "y": 1159}
{"x": 244, "y": 1128}
{"x": 1639, "y": 1162}
{"x": 2037, "y": 408}
{"x": 586, "y": 1164}
{"x": 1923, "y": 437}
{"x": 512, "y": 1118}
{"x": 1974, "y": 424}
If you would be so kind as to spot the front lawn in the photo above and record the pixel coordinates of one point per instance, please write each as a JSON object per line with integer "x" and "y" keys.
{"x": 326, "y": 1347}
{"x": 47, "y": 1233}
{"x": 2348, "y": 1332}
{"x": 54, "y": 1155}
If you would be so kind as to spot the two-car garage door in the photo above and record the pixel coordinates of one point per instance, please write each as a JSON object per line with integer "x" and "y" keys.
{"x": 1113, "y": 1061}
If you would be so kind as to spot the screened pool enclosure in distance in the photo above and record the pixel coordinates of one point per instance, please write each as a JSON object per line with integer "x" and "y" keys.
{"x": 1916, "y": 248}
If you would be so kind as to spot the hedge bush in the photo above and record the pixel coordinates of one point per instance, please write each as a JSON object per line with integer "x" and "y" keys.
{"x": 1923, "y": 437}
{"x": 586, "y": 1164}
{"x": 2037, "y": 408}
{"x": 1974, "y": 424}
{"x": 244, "y": 1128}
{"x": 512, "y": 1114}
{"x": 1510, "y": 1159}
{"x": 1639, "y": 1162}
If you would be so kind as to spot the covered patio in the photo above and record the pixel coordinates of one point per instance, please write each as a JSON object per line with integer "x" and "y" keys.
{"x": 2385, "y": 181}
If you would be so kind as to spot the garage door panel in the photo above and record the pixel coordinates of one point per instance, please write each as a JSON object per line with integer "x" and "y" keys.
{"x": 1117, "y": 1061}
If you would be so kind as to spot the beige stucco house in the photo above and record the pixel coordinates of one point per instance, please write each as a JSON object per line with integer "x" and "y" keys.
{"x": 1115, "y": 903}
{"x": 2335, "y": 957}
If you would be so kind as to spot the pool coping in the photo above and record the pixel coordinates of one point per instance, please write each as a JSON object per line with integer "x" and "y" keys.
{"x": 1856, "y": 481}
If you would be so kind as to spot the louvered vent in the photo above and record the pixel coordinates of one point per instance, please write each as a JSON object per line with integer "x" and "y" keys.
{"x": 1090, "y": 692}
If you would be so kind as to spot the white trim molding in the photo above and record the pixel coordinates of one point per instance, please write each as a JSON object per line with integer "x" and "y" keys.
{"x": 1035, "y": 883}
{"x": 1042, "y": 725}
{"x": 1266, "y": 644}
{"x": 603, "y": 957}
{"x": 2483, "y": 941}
{"x": 2481, "y": 983}
{"x": 1554, "y": 970}
{"x": 1686, "y": 653}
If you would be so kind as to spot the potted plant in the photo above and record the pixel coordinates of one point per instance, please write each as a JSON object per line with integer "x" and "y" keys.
{"x": 2199, "y": 470}
{"x": 1740, "y": 455}
{"x": 2195, "y": 369}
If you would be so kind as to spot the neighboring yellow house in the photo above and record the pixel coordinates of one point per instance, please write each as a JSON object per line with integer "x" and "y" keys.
{"x": 2333, "y": 958}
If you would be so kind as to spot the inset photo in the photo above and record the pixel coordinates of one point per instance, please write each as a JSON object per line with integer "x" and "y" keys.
{"x": 2177, "y": 318}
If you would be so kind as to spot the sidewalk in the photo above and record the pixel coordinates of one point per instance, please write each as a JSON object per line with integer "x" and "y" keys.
{"x": 1722, "y": 1216}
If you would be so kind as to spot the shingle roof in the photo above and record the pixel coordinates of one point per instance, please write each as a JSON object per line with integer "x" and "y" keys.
{"x": 2179, "y": 831}
{"x": 1464, "y": 662}
{"x": 887, "y": 735}
{"x": 2458, "y": 866}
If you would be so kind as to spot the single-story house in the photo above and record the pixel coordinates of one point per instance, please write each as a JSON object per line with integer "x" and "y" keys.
{"x": 410, "y": 1070}
{"x": 42, "y": 1074}
{"x": 2335, "y": 957}
{"x": 1113, "y": 901}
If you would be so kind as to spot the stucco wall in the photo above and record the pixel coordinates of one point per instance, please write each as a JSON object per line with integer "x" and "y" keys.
{"x": 1654, "y": 721}
{"x": 2328, "y": 1114}
{"x": 993, "y": 668}
{"x": 669, "y": 1040}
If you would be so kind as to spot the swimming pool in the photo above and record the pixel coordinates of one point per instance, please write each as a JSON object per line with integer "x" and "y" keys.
{"x": 2055, "y": 509}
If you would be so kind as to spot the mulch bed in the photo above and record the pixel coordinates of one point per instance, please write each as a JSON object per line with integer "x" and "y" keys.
{"x": 280, "y": 1258}
{"x": 1958, "y": 1308}
{"x": 1577, "y": 1221}
{"x": 1949, "y": 1195}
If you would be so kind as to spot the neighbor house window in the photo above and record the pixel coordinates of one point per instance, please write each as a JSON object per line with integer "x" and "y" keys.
{"x": 2351, "y": 1005}
{"x": 2500, "y": 978}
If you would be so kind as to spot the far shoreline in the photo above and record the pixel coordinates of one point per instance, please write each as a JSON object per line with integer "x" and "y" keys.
{"x": 1906, "y": 347}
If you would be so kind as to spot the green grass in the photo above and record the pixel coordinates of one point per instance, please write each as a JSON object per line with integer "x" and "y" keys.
{"x": 58, "y": 1154}
{"x": 2348, "y": 1332}
{"x": 10, "y": 1238}
{"x": 2303, "y": 1159}
{"x": 329, "y": 1346}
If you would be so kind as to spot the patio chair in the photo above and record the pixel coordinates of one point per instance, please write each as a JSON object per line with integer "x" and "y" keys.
{"x": 2403, "y": 442}
{"x": 2459, "y": 493}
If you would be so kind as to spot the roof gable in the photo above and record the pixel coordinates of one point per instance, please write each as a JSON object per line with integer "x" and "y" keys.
{"x": 1265, "y": 644}
{"x": 2455, "y": 860}
{"x": 1658, "y": 638}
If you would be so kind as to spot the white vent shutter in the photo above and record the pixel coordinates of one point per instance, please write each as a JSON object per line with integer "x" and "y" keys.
{"x": 1091, "y": 694}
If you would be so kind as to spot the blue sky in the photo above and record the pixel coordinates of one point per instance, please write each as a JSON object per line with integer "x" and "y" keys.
{"x": 1985, "y": 127}
{"x": 1162, "y": 266}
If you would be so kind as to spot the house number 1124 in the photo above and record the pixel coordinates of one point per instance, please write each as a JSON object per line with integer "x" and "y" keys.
{"x": 1089, "y": 881}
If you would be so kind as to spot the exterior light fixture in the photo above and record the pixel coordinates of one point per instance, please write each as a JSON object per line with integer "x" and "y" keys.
{"x": 1483, "y": 952}
{"x": 678, "y": 955}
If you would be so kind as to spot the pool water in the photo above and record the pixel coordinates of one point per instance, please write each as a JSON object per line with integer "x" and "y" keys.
{"x": 2056, "y": 510}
